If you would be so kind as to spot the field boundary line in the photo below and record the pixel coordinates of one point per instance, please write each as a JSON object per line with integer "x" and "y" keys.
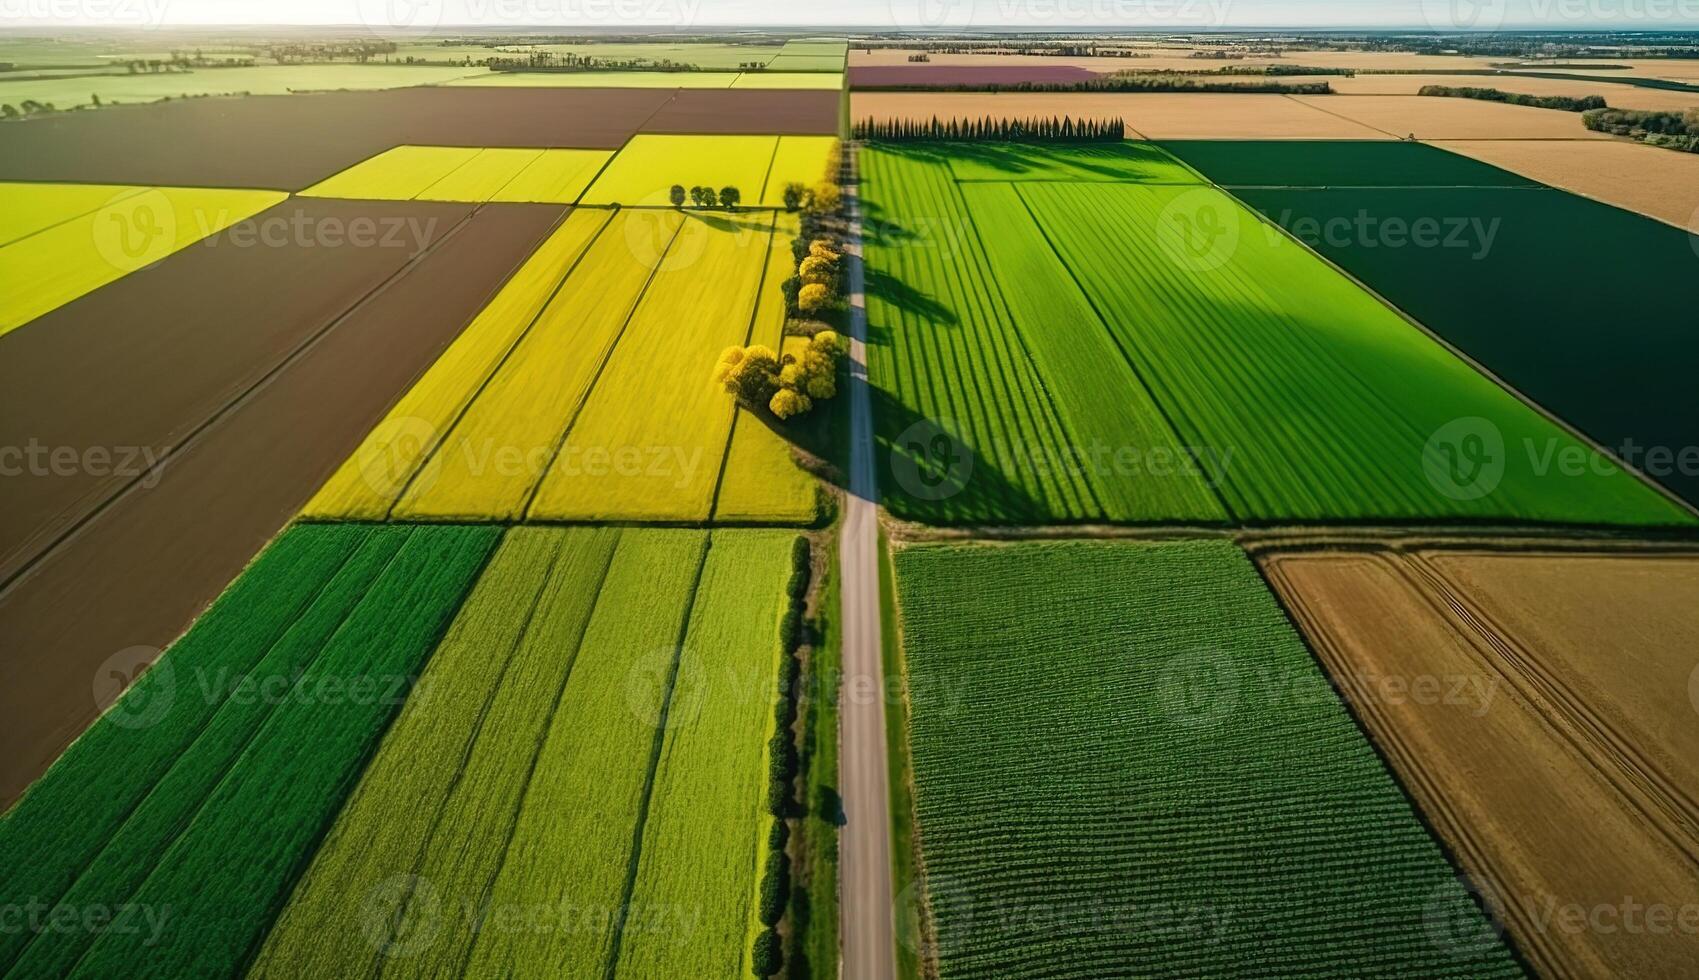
{"x": 1103, "y": 322}
{"x": 1336, "y": 115}
{"x": 658, "y": 743}
{"x": 761, "y": 195}
{"x": 536, "y": 754}
{"x": 1564, "y": 426}
{"x": 460, "y": 413}
{"x": 381, "y": 955}
{"x": 293, "y": 357}
{"x": 596, "y": 379}
{"x": 134, "y": 190}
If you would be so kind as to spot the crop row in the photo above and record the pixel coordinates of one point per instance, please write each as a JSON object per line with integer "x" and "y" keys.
{"x": 1202, "y": 804}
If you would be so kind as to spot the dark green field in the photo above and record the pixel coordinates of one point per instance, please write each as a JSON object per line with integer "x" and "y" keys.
{"x": 1127, "y": 764}
{"x": 1585, "y": 308}
{"x": 1337, "y": 163}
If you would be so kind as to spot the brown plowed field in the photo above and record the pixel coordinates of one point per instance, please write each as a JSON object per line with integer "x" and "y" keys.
{"x": 290, "y": 142}
{"x": 1432, "y": 118}
{"x": 1617, "y": 95}
{"x": 143, "y": 568}
{"x": 135, "y": 368}
{"x": 1540, "y": 707}
{"x": 756, "y": 111}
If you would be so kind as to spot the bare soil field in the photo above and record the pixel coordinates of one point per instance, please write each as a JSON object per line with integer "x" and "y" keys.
{"x": 1537, "y": 705}
{"x": 132, "y": 370}
{"x": 1659, "y": 183}
{"x": 294, "y": 141}
{"x": 143, "y": 568}
{"x": 1154, "y": 116}
{"x": 1432, "y": 118}
{"x": 947, "y": 75}
{"x": 1617, "y": 95}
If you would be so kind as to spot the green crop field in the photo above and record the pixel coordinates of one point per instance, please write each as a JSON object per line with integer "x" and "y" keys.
{"x": 1126, "y": 762}
{"x": 1628, "y": 385}
{"x": 580, "y": 785}
{"x": 214, "y": 826}
{"x": 1296, "y": 394}
{"x": 1337, "y": 163}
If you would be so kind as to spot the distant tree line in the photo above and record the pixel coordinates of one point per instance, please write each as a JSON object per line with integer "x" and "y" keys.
{"x": 1566, "y": 103}
{"x": 1671, "y": 130}
{"x": 1118, "y": 83}
{"x": 1064, "y": 129}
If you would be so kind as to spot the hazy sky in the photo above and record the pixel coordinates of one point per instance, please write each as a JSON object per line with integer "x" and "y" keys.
{"x": 942, "y": 14}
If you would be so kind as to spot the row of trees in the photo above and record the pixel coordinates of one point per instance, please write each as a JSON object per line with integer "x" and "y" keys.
{"x": 1671, "y": 130}
{"x": 1566, "y": 103}
{"x": 1064, "y": 129}
{"x": 1119, "y": 83}
{"x": 727, "y": 197}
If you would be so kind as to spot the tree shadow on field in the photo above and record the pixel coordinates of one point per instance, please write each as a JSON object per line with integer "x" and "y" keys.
{"x": 889, "y": 289}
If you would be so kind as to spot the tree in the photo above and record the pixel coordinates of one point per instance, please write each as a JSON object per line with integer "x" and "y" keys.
{"x": 676, "y": 195}
{"x": 8, "y": 111}
{"x": 824, "y": 200}
{"x": 812, "y": 297}
{"x": 709, "y": 198}
{"x": 767, "y": 957}
{"x": 786, "y": 403}
{"x": 696, "y": 195}
{"x": 729, "y": 196}
{"x": 751, "y": 375}
{"x": 815, "y": 269}
{"x": 796, "y": 195}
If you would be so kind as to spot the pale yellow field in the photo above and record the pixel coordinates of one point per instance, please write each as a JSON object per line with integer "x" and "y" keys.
{"x": 790, "y": 80}
{"x": 133, "y": 230}
{"x": 491, "y": 462}
{"x": 555, "y": 177}
{"x": 1652, "y": 181}
{"x": 1176, "y": 59}
{"x": 650, "y": 164}
{"x": 28, "y": 208}
{"x": 799, "y": 159}
{"x": 762, "y": 481}
{"x": 367, "y": 485}
{"x": 481, "y": 177}
{"x": 466, "y": 174}
{"x": 1155, "y": 116}
{"x": 398, "y": 174}
{"x": 1432, "y": 118}
{"x": 1617, "y": 95}
{"x": 648, "y": 443}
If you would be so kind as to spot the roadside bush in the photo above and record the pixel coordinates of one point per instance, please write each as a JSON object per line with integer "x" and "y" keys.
{"x": 775, "y": 888}
{"x": 796, "y": 196}
{"x": 813, "y": 297}
{"x": 749, "y": 374}
{"x": 768, "y": 956}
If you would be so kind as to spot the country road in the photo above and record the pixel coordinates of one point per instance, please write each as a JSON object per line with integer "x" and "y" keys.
{"x": 865, "y": 885}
